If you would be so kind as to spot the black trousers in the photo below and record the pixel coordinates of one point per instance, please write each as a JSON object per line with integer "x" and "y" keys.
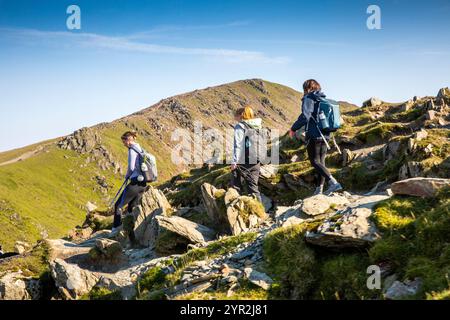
{"x": 132, "y": 197}
{"x": 317, "y": 152}
{"x": 249, "y": 175}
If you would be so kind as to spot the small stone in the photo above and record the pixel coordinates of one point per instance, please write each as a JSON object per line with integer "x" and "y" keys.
{"x": 21, "y": 247}
{"x": 430, "y": 115}
{"x": 258, "y": 278}
{"x": 90, "y": 207}
{"x": 401, "y": 290}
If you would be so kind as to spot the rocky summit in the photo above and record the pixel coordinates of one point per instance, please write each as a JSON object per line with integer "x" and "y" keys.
{"x": 194, "y": 237}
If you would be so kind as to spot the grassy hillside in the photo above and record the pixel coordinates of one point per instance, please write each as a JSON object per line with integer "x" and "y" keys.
{"x": 46, "y": 192}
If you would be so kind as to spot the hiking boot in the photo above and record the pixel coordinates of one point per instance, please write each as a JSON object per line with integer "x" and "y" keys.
{"x": 333, "y": 188}
{"x": 319, "y": 190}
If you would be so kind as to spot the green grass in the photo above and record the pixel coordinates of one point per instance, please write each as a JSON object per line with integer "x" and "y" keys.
{"x": 415, "y": 242}
{"x": 33, "y": 264}
{"x": 98, "y": 293}
{"x": 416, "y": 239}
{"x": 47, "y": 193}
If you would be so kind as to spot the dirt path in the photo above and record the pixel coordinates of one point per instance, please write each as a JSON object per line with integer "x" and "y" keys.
{"x": 23, "y": 156}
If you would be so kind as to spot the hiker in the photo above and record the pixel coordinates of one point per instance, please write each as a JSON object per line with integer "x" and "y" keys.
{"x": 133, "y": 192}
{"x": 245, "y": 166}
{"x": 316, "y": 146}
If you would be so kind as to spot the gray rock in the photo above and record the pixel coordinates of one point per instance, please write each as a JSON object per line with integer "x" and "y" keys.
{"x": 21, "y": 247}
{"x": 419, "y": 187}
{"x": 13, "y": 286}
{"x": 90, "y": 207}
{"x": 108, "y": 248}
{"x": 420, "y": 135}
{"x": 350, "y": 227}
{"x": 268, "y": 171}
{"x": 71, "y": 281}
{"x": 146, "y": 228}
{"x": 267, "y": 202}
{"x": 241, "y": 255}
{"x": 258, "y": 278}
{"x": 403, "y": 290}
{"x": 372, "y": 102}
{"x": 195, "y": 232}
{"x": 214, "y": 208}
{"x": 319, "y": 204}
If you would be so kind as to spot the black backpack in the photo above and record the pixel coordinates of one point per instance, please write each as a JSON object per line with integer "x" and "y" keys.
{"x": 252, "y": 140}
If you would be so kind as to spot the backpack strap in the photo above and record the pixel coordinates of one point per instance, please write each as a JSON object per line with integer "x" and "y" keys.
{"x": 136, "y": 150}
{"x": 246, "y": 125}
{"x": 316, "y": 119}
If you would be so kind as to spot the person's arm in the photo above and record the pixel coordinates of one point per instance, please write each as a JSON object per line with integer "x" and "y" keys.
{"x": 307, "y": 111}
{"x": 238, "y": 145}
{"x": 132, "y": 156}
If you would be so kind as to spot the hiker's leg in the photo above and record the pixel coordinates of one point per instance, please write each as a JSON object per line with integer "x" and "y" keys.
{"x": 236, "y": 180}
{"x": 323, "y": 155}
{"x": 136, "y": 201}
{"x": 314, "y": 150}
{"x": 127, "y": 195}
{"x": 252, "y": 181}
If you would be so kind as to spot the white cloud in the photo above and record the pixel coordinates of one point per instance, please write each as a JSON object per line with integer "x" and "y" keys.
{"x": 128, "y": 43}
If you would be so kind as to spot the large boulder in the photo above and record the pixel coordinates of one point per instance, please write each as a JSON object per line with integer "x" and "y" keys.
{"x": 231, "y": 213}
{"x": 62, "y": 249}
{"x": 350, "y": 227}
{"x": 215, "y": 207}
{"x": 443, "y": 93}
{"x": 106, "y": 249}
{"x": 372, "y": 102}
{"x": 419, "y": 187}
{"x": 194, "y": 232}
{"x": 244, "y": 213}
{"x": 320, "y": 204}
{"x": 13, "y": 287}
{"x": 144, "y": 223}
{"x": 71, "y": 281}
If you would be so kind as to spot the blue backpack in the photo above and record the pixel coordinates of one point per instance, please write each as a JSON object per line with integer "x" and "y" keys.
{"x": 328, "y": 115}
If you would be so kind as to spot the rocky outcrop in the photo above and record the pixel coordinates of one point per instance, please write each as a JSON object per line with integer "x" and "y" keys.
{"x": 194, "y": 232}
{"x": 230, "y": 212}
{"x": 214, "y": 206}
{"x": 83, "y": 141}
{"x": 372, "y": 102}
{"x": 15, "y": 286}
{"x": 72, "y": 281}
{"x": 88, "y": 141}
{"x": 144, "y": 223}
{"x": 320, "y": 204}
{"x": 350, "y": 227}
{"x": 419, "y": 187}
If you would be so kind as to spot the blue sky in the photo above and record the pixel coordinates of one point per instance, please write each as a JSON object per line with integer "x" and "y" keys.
{"x": 130, "y": 54}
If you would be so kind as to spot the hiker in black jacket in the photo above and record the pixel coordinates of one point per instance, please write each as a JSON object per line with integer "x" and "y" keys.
{"x": 316, "y": 146}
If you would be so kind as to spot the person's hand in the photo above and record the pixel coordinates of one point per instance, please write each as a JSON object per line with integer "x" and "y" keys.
{"x": 291, "y": 133}
{"x": 233, "y": 167}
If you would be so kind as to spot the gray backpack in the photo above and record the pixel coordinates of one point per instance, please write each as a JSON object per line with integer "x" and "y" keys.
{"x": 148, "y": 165}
